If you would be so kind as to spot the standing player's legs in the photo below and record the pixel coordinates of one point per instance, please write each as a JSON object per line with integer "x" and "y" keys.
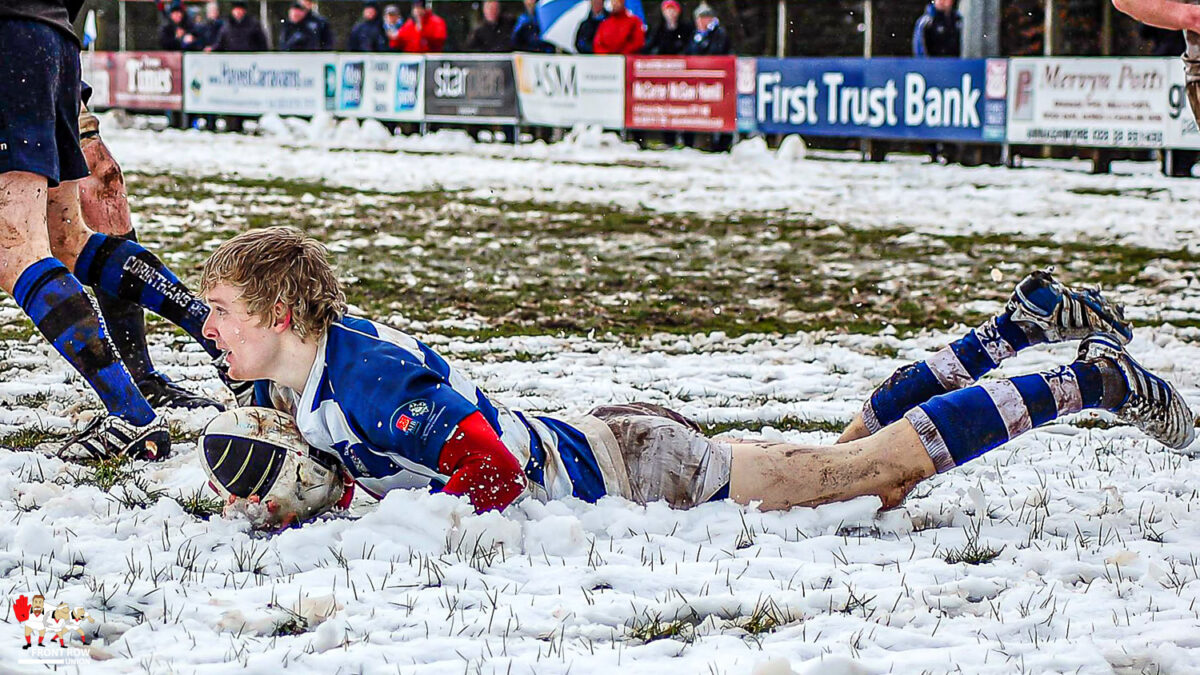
{"x": 1041, "y": 309}
{"x": 39, "y": 99}
{"x": 951, "y": 429}
{"x": 105, "y": 208}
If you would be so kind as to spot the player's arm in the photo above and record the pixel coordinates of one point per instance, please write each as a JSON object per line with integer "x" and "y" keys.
{"x": 480, "y": 466}
{"x": 1162, "y": 13}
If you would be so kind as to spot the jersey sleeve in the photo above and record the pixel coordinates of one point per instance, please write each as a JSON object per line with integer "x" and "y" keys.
{"x": 410, "y": 411}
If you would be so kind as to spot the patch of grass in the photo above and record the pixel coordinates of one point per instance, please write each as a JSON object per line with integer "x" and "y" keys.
{"x": 765, "y": 618}
{"x": 29, "y": 437}
{"x": 648, "y": 628}
{"x": 292, "y": 624}
{"x": 201, "y": 505}
{"x": 782, "y": 424}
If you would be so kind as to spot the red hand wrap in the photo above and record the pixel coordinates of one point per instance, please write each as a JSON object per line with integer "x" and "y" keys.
{"x": 480, "y": 466}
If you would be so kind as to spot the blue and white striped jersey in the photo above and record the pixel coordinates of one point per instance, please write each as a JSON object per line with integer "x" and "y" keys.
{"x": 385, "y": 403}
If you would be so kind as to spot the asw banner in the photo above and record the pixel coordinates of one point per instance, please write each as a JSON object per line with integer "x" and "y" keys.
{"x": 563, "y": 91}
{"x": 930, "y": 99}
{"x": 681, "y": 93}
{"x": 254, "y": 84}
{"x": 381, "y": 86}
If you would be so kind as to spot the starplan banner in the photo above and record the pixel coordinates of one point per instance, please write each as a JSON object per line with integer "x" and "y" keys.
{"x": 254, "y": 84}
{"x": 925, "y": 99}
{"x": 562, "y": 91}
{"x": 381, "y": 86}
{"x": 478, "y": 89}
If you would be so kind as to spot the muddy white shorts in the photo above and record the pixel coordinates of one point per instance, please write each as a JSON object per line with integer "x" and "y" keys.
{"x": 657, "y": 454}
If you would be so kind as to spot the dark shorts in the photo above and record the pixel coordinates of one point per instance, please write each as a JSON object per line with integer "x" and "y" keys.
{"x": 39, "y": 102}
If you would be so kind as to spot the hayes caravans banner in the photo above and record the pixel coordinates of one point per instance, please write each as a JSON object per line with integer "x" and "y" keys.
{"x": 470, "y": 88}
{"x": 1089, "y": 101}
{"x": 254, "y": 84}
{"x": 930, "y": 99}
{"x": 381, "y": 86}
{"x": 681, "y": 93}
{"x": 563, "y": 91}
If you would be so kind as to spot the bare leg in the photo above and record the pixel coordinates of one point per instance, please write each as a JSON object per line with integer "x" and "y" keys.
{"x": 102, "y": 195}
{"x": 887, "y": 464}
{"x": 64, "y": 217}
{"x": 23, "y": 239}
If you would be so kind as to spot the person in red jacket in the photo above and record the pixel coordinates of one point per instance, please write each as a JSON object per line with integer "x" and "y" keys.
{"x": 621, "y": 33}
{"x": 424, "y": 32}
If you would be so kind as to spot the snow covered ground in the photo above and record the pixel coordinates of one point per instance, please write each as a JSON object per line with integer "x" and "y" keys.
{"x": 1079, "y": 539}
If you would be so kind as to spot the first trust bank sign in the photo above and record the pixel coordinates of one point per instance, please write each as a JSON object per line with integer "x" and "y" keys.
{"x": 946, "y": 99}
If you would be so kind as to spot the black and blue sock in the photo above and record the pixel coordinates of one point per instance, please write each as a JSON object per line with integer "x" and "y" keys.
{"x": 961, "y": 425}
{"x": 126, "y": 322}
{"x": 63, "y": 312}
{"x": 128, "y": 271}
{"x": 959, "y": 364}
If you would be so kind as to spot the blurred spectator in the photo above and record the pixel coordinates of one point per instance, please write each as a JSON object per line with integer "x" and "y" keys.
{"x": 300, "y": 32}
{"x": 1163, "y": 42}
{"x": 621, "y": 33}
{"x": 367, "y": 35}
{"x": 938, "y": 32}
{"x": 324, "y": 29}
{"x": 585, "y": 35}
{"x": 242, "y": 33}
{"x": 495, "y": 34}
{"x": 710, "y": 39}
{"x": 208, "y": 31}
{"x": 671, "y": 35}
{"x": 177, "y": 33}
{"x": 424, "y": 32}
{"x": 392, "y": 21}
{"x": 527, "y": 35}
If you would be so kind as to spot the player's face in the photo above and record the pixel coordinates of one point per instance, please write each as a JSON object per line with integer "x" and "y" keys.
{"x": 250, "y": 347}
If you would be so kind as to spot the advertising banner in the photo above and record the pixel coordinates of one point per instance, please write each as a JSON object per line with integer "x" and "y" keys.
{"x": 1089, "y": 101}
{"x": 1181, "y": 121}
{"x": 95, "y": 69}
{"x": 681, "y": 93}
{"x": 254, "y": 84}
{"x": 471, "y": 88}
{"x": 747, "y": 84}
{"x": 919, "y": 99}
{"x": 146, "y": 80}
{"x": 562, "y": 91}
{"x": 381, "y": 86}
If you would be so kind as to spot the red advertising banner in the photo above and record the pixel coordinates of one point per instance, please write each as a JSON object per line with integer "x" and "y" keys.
{"x": 681, "y": 93}
{"x": 146, "y": 80}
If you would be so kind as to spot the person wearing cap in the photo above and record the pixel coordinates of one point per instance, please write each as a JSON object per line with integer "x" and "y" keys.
{"x": 324, "y": 28}
{"x": 177, "y": 33}
{"x": 672, "y": 34}
{"x": 241, "y": 33}
{"x": 710, "y": 38}
{"x": 621, "y": 33}
{"x": 527, "y": 34}
{"x": 367, "y": 35}
{"x": 423, "y": 33}
{"x": 300, "y": 33}
{"x": 392, "y": 21}
{"x": 495, "y": 34}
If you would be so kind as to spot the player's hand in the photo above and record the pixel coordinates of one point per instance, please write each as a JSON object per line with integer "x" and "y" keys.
{"x": 262, "y": 516}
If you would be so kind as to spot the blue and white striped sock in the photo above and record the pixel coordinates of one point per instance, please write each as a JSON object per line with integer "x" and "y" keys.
{"x": 961, "y": 425}
{"x": 954, "y": 366}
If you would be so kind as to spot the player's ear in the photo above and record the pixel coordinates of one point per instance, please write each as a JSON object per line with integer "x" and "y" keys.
{"x": 281, "y": 318}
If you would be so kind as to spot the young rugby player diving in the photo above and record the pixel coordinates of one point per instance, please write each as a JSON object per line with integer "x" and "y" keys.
{"x": 395, "y": 414}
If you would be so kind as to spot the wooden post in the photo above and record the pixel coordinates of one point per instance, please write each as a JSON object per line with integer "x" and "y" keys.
{"x": 265, "y": 18}
{"x": 1106, "y": 29}
{"x": 1050, "y": 25}
{"x": 121, "y": 21}
{"x": 868, "y": 27}
{"x": 782, "y": 33}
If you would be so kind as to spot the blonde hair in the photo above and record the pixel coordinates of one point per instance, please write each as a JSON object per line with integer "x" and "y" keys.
{"x": 279, "y": 264}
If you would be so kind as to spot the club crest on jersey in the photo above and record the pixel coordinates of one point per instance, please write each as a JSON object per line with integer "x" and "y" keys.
{"x": 408, "y": 417}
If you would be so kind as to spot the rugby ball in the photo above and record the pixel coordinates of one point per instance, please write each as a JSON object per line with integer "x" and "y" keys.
{"x": 256, "y": 459}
